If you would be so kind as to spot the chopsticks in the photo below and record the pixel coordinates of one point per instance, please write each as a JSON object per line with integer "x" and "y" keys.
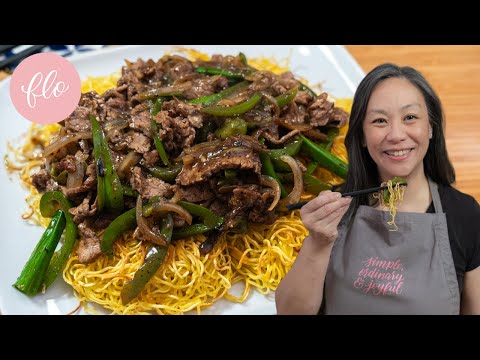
{"x": 352, "y": 194}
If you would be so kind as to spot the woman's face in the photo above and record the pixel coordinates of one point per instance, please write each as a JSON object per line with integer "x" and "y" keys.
{"x": 396, "y": 129}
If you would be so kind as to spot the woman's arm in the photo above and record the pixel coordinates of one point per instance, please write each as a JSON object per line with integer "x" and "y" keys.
{"x": 301, "y": 290}
{"x": 471, "y": 293}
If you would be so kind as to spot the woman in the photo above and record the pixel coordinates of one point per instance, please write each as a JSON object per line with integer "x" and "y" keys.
{"x": 351, "y": 263}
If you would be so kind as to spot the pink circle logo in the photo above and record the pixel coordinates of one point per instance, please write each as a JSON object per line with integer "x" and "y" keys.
{"x": 45, "y": 88}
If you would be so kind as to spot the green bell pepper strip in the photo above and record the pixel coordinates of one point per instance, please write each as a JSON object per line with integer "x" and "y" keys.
{"x": 158, "y": 143}
{"x": 313, "y": 185}
{"x": 287, "y": 97}
{"x": 267, "y": 169}
{"x": 111, "y": 189}
{"x": 164, "y": 91}
{"x": 31, "y": 279}
{"x": 214, "y": 98}
{"x": 49, "y": 204}
{"x": 154, "y": 128}
{"x": 231, "y": 74}
{"x": 324, "y": 158}
{"x": 153, "y": 261}
{"x": 232, "y": 126}
{"x": 208, "y": 217}
{"x": 230, "y": 174}
{"x": 190, "y": 230}
{"x": 201, "y": 134}
{"x": 126, "y": 221}
{"x": 292, "y": 148}
{"x": 128, "y": 191}
{"x": 210, "y": 221}
{"x": 165, "y": 174}
{"x": 304, "y": 87}
{"x": 234, "y": 110}
{"x": 311, "y": 168}
{"x": 332, "y": 133}
{"x": 157, "y": 106}
{"x": 243, "y": 58}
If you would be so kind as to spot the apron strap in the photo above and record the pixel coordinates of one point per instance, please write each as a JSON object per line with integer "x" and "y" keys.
{"x": 435, "y": 197}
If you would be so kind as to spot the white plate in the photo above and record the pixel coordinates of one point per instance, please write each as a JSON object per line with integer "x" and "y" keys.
{"x": 330, "y": 65}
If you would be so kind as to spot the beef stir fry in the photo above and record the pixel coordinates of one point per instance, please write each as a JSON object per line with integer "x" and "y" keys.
{"x": 180, "y": 148}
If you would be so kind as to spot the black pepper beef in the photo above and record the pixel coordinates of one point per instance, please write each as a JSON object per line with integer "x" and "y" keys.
{"x": 204, "y": 160}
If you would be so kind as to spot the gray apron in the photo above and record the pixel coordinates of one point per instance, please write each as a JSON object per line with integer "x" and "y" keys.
{"x": 409, "y": 271}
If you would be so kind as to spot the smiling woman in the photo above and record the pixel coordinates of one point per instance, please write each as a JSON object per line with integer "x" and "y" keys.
{"x": 396, "y": 130}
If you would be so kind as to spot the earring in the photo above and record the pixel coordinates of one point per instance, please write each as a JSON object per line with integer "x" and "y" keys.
{"x": 430, "y": 135}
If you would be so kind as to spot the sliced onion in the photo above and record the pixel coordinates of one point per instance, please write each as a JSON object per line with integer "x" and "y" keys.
{"x": 273, "y": 184}
{"x": 118, "y": 124}
{"x": 294, "y": 126}
{"x": 272, "y": 100}
{"x": 297, "y": 190}
{"x": 143, "y": 227}
{"x": 165, "y": 207}
{"x": 177, "y": 196}
{"x": 283, "y": 139}
{"x": 75, "y": 179}
{"x": 127, "y": 163}
{"x": 57, "y": 145}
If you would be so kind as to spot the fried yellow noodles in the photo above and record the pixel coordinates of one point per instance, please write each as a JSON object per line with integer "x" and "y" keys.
{"x": 395, "y": 195}
{"x": 186, "y": 280}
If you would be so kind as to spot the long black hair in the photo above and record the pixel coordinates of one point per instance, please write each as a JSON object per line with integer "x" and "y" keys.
{"x": 362, "y": 170}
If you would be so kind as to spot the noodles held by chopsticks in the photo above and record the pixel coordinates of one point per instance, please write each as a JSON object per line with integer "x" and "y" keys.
{"x": 395, "y": 195}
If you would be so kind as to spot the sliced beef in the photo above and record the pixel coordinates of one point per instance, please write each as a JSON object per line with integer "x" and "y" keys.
{"x": 89, "y": 246}
{"x": 177, "y": 123}
{"x": 320, "y": 110}
{"x": 303, "y": 98}
{"x": 141, "y": 122}
{"x": 283, "y": 83}
{"x": 206, "y": 85}
{"x": 197, "y": 193}
{"x": 236, "y": 152}
{"x": 116, "y": 105}
{"x": 222, "y": 62}
{"x": 261, "y": 80}
{"x": 151, "y": 157}
{"x": 138, "y": 142}
{"x": 67, "y": 163}
{"x": 149, "y": 186}
{"x": 339, "y": 117}
{"x": 176, "y": 67}
{"x": 90, "y": 104}
{"x": 84, "y": 210}
{"x": 248, "y": 202}
{"x": 39, "y": 180}
{"x": 89, "y": 183}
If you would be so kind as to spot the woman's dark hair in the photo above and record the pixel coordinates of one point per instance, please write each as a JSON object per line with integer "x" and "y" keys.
{"x": 362, "y": 170}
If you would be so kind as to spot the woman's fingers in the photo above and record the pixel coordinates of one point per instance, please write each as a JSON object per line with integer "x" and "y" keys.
{"x": 329, "y": 209}
{"x": 327, "y": 228}
{"x": 332, "y": 220}
{"x": 322, "y": 215}
{"x": 322, "y": 199}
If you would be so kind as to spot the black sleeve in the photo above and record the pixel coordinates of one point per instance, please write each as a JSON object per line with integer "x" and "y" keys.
{"x": 473, "y": 236}
{"x": 463, "y": 218}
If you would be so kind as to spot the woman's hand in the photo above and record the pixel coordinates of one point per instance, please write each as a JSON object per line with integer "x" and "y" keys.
{"x": 322, "y": 215}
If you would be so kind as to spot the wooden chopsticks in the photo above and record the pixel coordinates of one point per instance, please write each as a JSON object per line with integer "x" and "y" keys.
{"x": 352, "y": 194}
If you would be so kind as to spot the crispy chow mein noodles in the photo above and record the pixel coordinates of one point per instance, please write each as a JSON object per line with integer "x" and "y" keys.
{"x": 390, "y": 198}
{"x": 187, "y": 279}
